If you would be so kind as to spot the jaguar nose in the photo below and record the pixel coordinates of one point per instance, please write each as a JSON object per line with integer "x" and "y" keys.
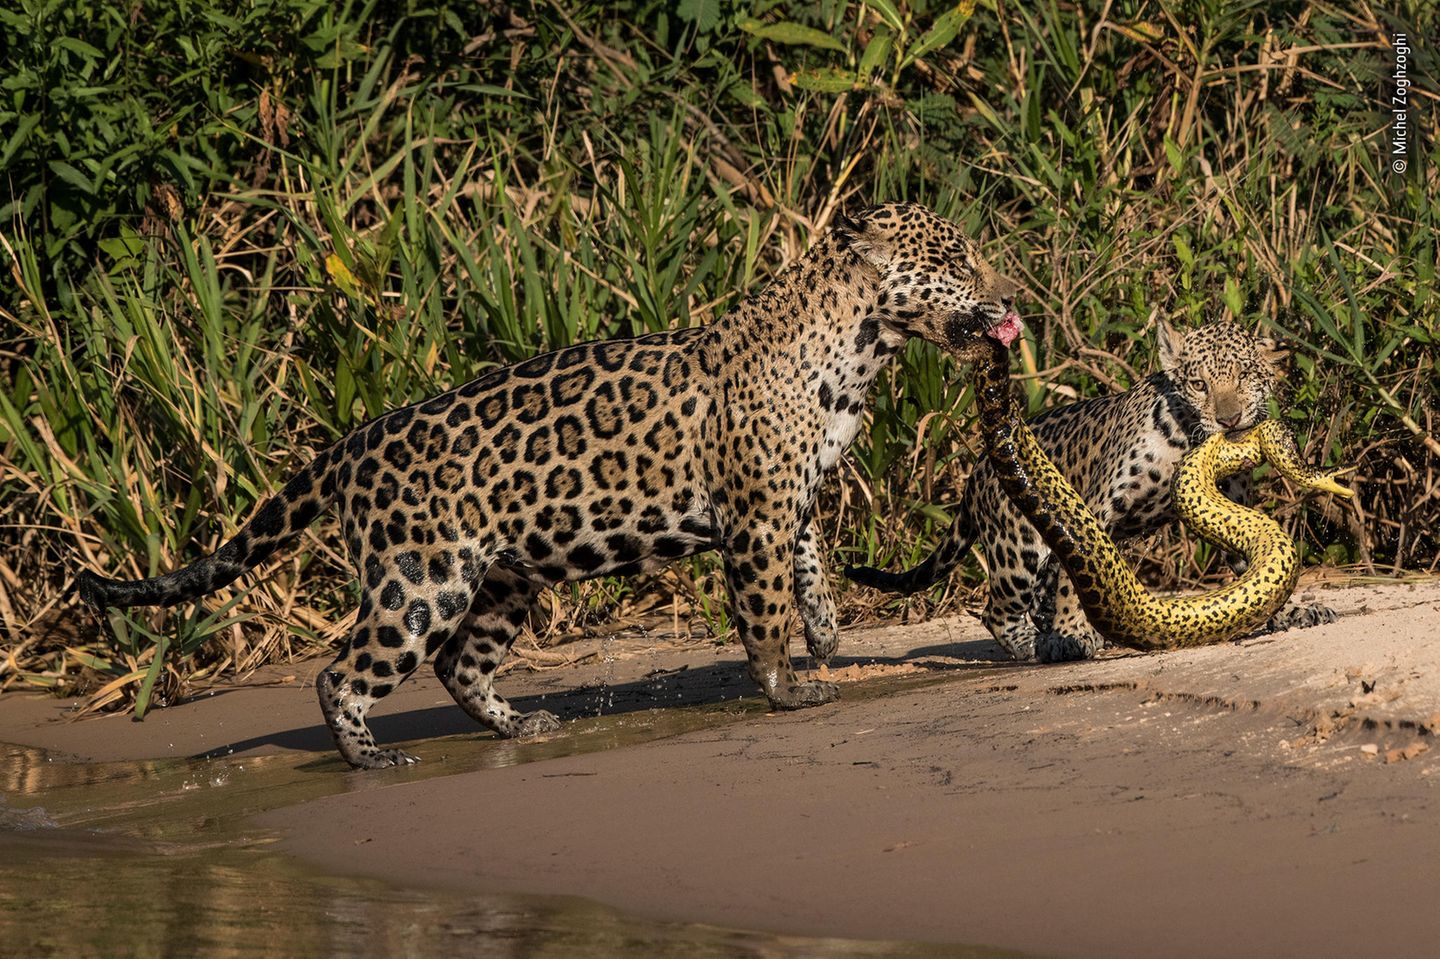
{"x": 1229, "y": 422}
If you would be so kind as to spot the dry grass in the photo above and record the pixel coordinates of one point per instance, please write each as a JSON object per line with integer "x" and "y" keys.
{"x": 440, "y": 202}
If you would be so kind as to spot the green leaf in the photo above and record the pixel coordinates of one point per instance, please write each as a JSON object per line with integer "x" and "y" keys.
{"x": 887, "y": 12}
{"x": 795, "y": 34}
{"x": 70, "y": 175}
{"x": 1233, "y": 299}
{"x": 120, "y": 628}
{"x": 389, "y": 238}
{"x": 80, "y": 47}
{"x": 941, "y": 32}
{"x": 705, "y": 14}
{"x": 147, "y": 685}
{"x": 877, "y": 51}
{"x": 17, "y": 139}
{"x": 1172, "y": 153}
{"x": 746, "y": 94}
{"x": 825, "y": 80}
{"x": 490, "y": 90}
{"x": 124, "y": 247}
{"x": 1182, "y": 250}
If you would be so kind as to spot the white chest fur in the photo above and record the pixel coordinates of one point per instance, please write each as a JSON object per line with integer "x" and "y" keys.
{"x": 844, "y": 389}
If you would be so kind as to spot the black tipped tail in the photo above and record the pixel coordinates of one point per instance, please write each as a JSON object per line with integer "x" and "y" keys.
{"x": 279, "y": 521}
{"x": 103, "y": 593}
{"x": 906, "y": 582}
{"x": 97, "y": 591}
{"x": 935, "y": 567}
{"x": 220, "y": 568}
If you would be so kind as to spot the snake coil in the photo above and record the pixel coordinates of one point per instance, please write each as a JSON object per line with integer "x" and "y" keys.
{"x": 1117, "y": 604}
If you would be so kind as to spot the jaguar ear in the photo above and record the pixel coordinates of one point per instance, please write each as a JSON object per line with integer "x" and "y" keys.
{"x": 1275, "y": 354}
{"x": 848, "y": 226}
{"x": 861, "y": 234}
{"x": 1170, "y": 343}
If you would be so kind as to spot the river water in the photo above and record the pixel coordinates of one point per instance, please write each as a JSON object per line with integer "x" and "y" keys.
{"x": 162, "y": 858}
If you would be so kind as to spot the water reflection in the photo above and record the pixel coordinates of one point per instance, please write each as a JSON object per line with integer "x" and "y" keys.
{"x": 69, "y": 894}
{"x": 160, "y": 858}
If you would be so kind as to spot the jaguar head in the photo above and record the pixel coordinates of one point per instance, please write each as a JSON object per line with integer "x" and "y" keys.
{"x": 933, "y": 282}
{"x": 1224, "y": 372}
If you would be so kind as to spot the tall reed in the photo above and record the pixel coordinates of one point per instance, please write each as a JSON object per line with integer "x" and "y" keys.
{"x": 227, "y": 250}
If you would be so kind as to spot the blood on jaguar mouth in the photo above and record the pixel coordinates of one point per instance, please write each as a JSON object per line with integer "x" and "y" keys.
{"x": 1008, "y": 329}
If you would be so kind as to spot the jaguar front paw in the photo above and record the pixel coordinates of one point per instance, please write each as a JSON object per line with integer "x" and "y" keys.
{"x": 383, "y": 759}
{"x": 1020, "y": 648}
{"x": 537, "y": 724}
{"x": 1301, "y": 616}
{"x": 1063, "y": 648}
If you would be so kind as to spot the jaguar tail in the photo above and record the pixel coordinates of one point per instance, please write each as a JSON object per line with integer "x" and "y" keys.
{"x": 935, "y": 567}
{"x": 277, "y": 523}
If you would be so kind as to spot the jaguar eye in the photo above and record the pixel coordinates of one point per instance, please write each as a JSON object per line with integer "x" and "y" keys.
{"x": 1198, "y": 385}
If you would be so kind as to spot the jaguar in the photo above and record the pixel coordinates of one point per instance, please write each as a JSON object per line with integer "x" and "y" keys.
{"x": 1120, "y": 453}
{"x": 612, "y": 458}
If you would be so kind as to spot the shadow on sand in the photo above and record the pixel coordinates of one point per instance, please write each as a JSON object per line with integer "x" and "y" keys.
{"x": 686, "y": 686}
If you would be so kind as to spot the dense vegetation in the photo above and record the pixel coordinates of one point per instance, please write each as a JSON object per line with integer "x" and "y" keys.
{"x": 235, "y": 228}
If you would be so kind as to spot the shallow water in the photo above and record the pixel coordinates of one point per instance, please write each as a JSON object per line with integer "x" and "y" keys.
{"x": 161, "y": 858}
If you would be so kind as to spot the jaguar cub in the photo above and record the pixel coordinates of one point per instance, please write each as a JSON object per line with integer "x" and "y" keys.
{"x": 610, "y": 458}
{"x": 1121, "y": 453}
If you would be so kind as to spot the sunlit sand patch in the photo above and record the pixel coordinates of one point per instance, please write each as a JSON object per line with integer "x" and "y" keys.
{"x": 856, "y": 672}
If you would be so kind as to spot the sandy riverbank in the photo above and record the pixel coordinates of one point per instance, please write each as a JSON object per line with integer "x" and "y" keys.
{"x": 1272, "y": 797}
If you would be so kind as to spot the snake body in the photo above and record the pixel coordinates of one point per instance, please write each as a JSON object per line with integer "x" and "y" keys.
{"x": 1117, "y": 604}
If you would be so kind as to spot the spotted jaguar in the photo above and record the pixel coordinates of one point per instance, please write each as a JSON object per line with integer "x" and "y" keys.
{"x": 1120, "y": 453}
{"x": 610, "y": 458}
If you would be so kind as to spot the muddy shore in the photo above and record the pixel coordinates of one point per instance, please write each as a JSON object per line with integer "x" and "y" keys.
{"x": 1272, "y": 797}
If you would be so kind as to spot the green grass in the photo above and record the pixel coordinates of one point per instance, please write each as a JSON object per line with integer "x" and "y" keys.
{"x": 225, "y": 251}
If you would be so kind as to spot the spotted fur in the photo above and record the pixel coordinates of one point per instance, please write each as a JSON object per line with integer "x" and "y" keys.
{"x": 612, "y": 458}
{"x": 1116, "y": 603}
{"x": 1120, "y": 453}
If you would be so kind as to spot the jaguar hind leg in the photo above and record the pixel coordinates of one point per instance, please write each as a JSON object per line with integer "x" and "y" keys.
{"x": 411, "y": 605}
{"x": 1006, "y": 617}
{"x": 466, "y": 664}
{"x": 1067, "y": 635}
{"x": 345, "y": 699}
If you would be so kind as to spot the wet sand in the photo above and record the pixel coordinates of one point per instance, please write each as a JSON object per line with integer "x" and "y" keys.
{"x": 1271, "y": 797}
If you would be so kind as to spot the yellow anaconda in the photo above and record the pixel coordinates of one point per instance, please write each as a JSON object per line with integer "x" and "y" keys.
{"x": 1117, "y": 604}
